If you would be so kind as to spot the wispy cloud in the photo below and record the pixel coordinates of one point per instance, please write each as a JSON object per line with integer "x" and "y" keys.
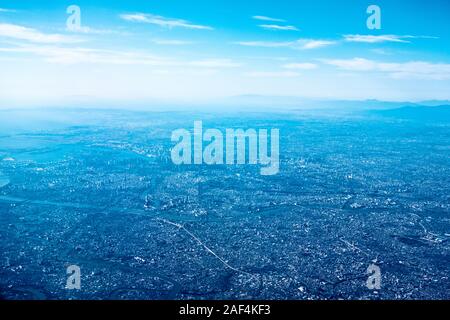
{"x": 272, "y": 74}
{"x": 214, "y": 63}
{"x": 265, "y": 18}
{"x": 172, "y": 42}
{"x": 84, "y": 55}
{"x": 300, "y": 66}
{"x": 62, "y": 55}
{"x": 314, "y": 44}
{"x": 308, "y": 44}
{"x": 89, "y": 30}
{"x": 163, "y": 21}
{"x": 382, "y": 38}
{"x": 264, "y": 44}
{"x": 7, "y": 10}
{"x": 399, "y": 70}
{"x": 278, "y": 27}
{"x": 32, "y": 35}
{"x": 355, "y": 64}
{"x": 303, "y": 44}
{"x": 381, "y": 51}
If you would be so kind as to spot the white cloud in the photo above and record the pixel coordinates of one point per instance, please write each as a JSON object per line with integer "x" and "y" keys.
{"x": 89, "y": 30}
{"x": 56, "y": 54}
{"x": 264, "y": 44}
{"x": 382, "y": 38}
{"x": 7, "y": 10}
{"x": 356, "y": 64}
{"x": 308, "y": 44}
{"x": 398, "y": 70}
{"x": 81, "y": 55}
{"x": 300, "y": 66}
{"x": 272, "y": 74}
{"x": 33, "y": 35}
{"x": 304, "y": 44}
{"x": 314, "y": 44}
{"x": 172, "y": 42}
{"x": 375, "y": 39}
{"x": 264, "y": 18}
{"x": 162, "y": 21}
{"x": 278, "y": 27}
{"x": 381, "y": 51}
{"x": 215, "y": 63}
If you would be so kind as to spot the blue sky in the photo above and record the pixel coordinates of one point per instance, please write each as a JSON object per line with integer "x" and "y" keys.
{"x": 179, "y": 51}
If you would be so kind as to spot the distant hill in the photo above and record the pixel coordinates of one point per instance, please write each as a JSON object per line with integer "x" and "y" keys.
{"x": 419, "y": 113}
{"x": 299, "y": 103}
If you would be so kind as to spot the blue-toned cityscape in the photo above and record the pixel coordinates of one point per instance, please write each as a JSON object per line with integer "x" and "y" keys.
{"x": 224, "y": 150}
